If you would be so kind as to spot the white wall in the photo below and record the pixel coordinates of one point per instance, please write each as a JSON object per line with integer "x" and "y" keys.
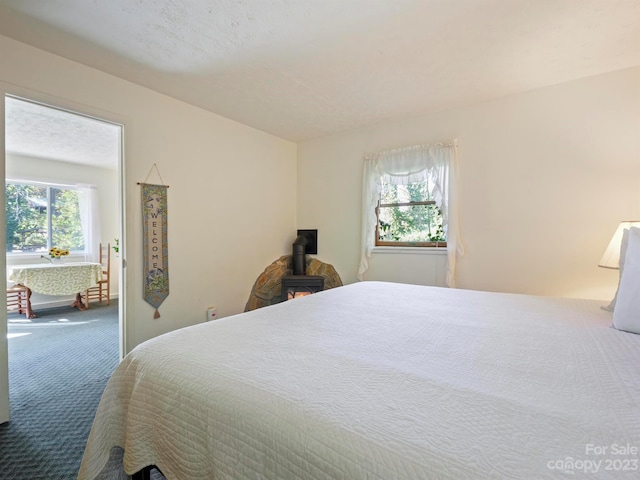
{"x": 231, "y": 201}
{"x": 544, "y": 178}
{"x": 21, "y": 167}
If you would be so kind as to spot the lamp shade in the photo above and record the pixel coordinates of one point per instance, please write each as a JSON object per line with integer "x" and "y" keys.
{"x": 611, "y": 257}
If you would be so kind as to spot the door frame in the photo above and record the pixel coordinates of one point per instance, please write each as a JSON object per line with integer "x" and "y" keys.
{"x": 87, "y": 111}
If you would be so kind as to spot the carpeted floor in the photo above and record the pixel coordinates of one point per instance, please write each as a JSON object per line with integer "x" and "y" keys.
{"x": 59, "y": 364}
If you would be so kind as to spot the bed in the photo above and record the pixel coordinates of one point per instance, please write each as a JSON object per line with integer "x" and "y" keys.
{"x": 380, "y": 381}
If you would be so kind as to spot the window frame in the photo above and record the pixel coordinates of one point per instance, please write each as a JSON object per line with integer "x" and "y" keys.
{"x": 49, "y": 222}
{"x": 389, "y": 243}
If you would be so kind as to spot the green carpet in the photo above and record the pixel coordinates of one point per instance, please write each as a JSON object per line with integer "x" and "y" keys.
{"x": 59, "y": 364}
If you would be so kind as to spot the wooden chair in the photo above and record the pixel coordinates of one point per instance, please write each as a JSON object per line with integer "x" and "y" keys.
{"x": 17, "y": 298}
{"x": 103, "y": 288}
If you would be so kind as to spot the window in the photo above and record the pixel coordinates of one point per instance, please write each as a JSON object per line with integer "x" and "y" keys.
{"x": 40, "y": 216}
{"x": 408, "y": 199}
{"x": 407, "y": 215}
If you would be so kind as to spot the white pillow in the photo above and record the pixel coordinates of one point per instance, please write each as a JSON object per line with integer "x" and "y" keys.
{"x": 623, "y": 254}
{"x": 626, "y": 314}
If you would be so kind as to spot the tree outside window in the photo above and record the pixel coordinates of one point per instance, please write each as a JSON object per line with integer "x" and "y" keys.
{"x": 42, "y": 216}
{"x": 408, "y": 216}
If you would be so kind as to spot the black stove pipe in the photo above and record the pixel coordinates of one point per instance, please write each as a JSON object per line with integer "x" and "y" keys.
{"x": 299, "y": 264}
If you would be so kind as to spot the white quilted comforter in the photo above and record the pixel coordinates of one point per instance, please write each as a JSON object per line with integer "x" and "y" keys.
{"x": 381, "y": 381}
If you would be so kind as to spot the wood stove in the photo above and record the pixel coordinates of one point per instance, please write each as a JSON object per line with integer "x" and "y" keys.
{"x": 300, "y": 284}
{"x": 294, "y": 286}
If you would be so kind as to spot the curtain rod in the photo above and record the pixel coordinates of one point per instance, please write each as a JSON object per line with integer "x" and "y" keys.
{"x": 450, "y": 143}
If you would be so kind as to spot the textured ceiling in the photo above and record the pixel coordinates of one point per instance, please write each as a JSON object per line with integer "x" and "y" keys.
{"x": 302, "y": 69}
{"x": 39, "y": 131}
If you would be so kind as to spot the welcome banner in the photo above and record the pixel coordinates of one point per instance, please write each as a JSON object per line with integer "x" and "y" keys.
{"x": 155, "y": 248}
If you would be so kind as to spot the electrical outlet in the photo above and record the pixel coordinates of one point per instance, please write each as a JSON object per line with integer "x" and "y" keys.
{"x": 212, "y": 313}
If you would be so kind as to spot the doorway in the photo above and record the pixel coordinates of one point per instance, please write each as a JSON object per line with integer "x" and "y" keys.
{"x": 51, "y": 149}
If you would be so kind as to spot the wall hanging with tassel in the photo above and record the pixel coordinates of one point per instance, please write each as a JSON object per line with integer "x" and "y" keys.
{"x": 155, "y": 248}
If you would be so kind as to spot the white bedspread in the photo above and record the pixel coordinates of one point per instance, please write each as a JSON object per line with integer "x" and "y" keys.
{"x": 381, "y": 381}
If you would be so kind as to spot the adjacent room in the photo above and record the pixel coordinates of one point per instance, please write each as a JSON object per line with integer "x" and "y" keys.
{"x": 63, "y": 325}
{"x": 452, "y": 188}
{"x": 61, "y": 182}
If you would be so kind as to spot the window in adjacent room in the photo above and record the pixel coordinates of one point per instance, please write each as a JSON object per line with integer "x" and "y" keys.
{"x": 407, "y": 215}
{"x": 40, "y": 216}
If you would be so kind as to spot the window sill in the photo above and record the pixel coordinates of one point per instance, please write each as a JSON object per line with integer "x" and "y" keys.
{"x": 411, "y": 250}
{"x": 29, "y": 258}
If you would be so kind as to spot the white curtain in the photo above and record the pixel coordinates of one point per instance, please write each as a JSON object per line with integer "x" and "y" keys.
{"x": 90, "y": 219}
{"x": 438, "y": 163}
